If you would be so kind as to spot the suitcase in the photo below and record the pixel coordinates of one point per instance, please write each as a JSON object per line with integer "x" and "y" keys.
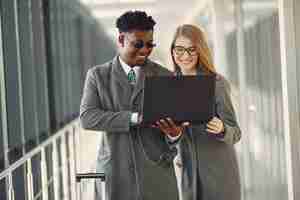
{"x": 80, "y": 177}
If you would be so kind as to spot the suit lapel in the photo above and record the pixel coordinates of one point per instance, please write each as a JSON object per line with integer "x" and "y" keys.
{"x": 138, "y": 88}
{"x": 119, "y": 75}
{"x": 121, "y": 79}
{"x": 146, "y": 70}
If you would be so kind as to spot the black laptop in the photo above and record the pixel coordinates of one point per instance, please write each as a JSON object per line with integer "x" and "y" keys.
{"x": 182, "y": 98}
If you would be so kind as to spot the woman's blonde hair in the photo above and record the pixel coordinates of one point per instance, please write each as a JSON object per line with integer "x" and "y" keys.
{"x": 196, "y": 35}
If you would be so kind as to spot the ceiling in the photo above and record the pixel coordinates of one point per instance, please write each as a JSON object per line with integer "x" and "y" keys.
{"x": 170, "y": 13}
{"x": 167, "y": 13}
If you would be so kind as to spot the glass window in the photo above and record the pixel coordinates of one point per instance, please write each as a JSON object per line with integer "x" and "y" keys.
{"x": 53, "y": 64}
{"x": 3, "y": 189}
{"x": 61, "y": 188}
{"x": 297, "y": 34}
{"x": 62, "y": 61}
{"x": 48, "y": 11}
{"x": 68, "y": 63}
{"x": 39, "y": 54}
{"x": 2, "y": 158}
{"x": 28, "y": 75}
{"x": 264, "y": 100}
{"x": 11, "y": 73}
{"x": 36, "y": 174}
{"x": 231, "y": 58}
{"x": 59, "y": 152}
{"x": 49, "y": 161}
{"x": 19, "y": 184}
{"x": 68, "y": 163}
{"x": 39, "y": 197}
{"x": 75, "y": 64}
{"x": 51, "y": 191}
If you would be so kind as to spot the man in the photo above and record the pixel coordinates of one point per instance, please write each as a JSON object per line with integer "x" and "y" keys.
{"x": 137, "y": 161}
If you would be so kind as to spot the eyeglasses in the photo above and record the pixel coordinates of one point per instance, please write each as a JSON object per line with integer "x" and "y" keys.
{"x": 139, "y": 44}
{"x": 179, "y": 50}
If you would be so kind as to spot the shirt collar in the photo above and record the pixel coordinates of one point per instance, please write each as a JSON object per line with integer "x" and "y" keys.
{"x": 127, "y": 68}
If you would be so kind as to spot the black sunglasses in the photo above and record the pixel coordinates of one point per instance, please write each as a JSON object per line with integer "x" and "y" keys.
{"x": 140, "y": 44}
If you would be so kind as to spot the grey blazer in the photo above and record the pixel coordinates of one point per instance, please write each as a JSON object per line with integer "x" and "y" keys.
{"x": 210, "y": 166}
{"x": 137, "y": 161}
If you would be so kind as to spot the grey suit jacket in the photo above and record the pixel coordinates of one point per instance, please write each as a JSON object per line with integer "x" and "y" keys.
{"x": 137, "y": 161}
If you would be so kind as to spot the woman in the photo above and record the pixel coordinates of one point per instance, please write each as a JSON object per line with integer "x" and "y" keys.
{"x": 210, "y": 169}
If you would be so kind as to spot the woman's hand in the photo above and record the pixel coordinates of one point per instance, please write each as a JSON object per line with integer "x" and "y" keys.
{"x": 168, "y": 127}
{"x": 215, "y": 126}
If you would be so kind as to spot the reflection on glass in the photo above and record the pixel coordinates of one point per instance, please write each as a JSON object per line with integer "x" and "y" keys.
{"x": 27, "y": 71}
{"x": 228, "y": 21}
{"x": 2, "y": 189}
{"x": 11, "y": 76}
{"x": 297, "y": 28}
{"x": 36, "y": 174}
{"x": 59, "y": 152}
{"x": 39, "y": 198}
{"x": 254, "y": 10}
{"x": 61, "y": 189}
{"x": 49, "y": 161}
{"x": 51, "y": 190}
{"x": 2, "y": 165}
{"x": 265, "y": 171}
{"x": 19, "y": 185}
{"x": 14, "y": 153}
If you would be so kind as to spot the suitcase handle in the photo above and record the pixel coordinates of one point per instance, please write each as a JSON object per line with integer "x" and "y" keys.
{"x": 80, "y": 176}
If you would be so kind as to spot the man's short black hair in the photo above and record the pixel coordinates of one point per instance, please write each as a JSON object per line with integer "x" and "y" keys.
{"x": 135, "y": 20}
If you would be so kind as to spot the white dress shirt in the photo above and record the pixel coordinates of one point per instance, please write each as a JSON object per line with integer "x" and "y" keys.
{"x": 127, "y": 68}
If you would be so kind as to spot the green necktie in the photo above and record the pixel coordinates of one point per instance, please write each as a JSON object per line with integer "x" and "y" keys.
{"x": 131, "y": 77}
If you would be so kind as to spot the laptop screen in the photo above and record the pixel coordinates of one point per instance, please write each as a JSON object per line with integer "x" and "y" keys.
{"x": 182, "y": 98}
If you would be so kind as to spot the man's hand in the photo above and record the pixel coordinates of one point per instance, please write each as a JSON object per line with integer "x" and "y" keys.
{"x": 168, "y": 127}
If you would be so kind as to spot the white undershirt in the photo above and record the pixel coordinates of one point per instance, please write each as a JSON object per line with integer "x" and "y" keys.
{"x": 178, "y": 170}
{"x": 127, "y": 68}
